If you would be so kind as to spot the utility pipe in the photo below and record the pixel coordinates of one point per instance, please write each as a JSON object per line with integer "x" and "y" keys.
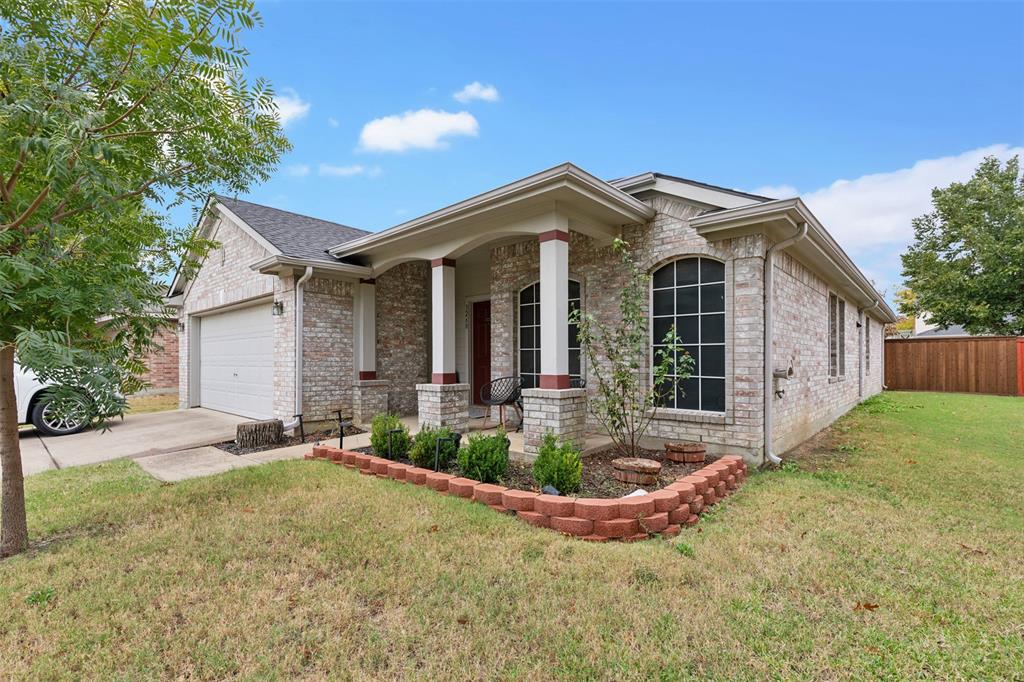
{"x": 769, "y": 260}
{"x": 299, "y": 284}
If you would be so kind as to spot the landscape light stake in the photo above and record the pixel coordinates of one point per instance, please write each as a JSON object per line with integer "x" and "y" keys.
{"x": 391, "y": 431}
{"x": 454, "y": 438}
{"x": 342, "y": 425}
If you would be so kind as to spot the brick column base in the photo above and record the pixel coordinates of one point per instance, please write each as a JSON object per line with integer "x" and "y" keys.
{"x": 562, "y": 412}
{"x": 444, "y": 405}
{"x": 369, "y": 398}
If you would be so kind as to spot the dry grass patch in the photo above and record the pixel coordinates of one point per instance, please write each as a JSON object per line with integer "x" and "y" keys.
{"x": 308, "y": 569}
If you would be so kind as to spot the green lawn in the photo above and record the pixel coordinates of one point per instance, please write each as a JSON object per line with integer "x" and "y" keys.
{"x": 914, "y": 504}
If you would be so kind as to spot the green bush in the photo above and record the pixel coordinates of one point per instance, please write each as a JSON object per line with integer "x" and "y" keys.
{"x": 423, "y": 448}
{"x": 559, "y": 465}
{"x": 400, "y": 442}
{"x": 485, "y": 458}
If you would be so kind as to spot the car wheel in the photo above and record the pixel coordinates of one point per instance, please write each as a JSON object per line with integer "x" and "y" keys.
{"x": 49, "y": 423}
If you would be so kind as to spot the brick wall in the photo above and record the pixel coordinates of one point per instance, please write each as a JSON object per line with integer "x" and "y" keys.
{"x": 162, "y": 362}
{"x": 327, "y": 349}
{"x": 403, "y": 333}
{"x": 813, "y": 399}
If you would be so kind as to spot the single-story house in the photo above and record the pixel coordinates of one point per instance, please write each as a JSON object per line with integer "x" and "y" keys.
{"x": 292, "y": 314}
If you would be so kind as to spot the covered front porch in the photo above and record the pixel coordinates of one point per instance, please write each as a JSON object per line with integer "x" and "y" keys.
{"x": 501, "y": 281}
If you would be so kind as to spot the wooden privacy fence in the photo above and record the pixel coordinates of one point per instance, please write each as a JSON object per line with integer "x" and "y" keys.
{"x": 975, "y": 364}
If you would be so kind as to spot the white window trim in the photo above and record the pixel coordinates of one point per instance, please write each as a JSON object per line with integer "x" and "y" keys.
{"x": 840, "y": 374}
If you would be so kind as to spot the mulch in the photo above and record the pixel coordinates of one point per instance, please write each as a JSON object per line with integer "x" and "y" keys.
{"x": 598, "y": 478}
{"x": 311, "y": 437}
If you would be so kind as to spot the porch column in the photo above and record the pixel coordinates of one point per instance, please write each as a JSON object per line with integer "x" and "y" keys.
{"x": 553, "y": 407}
{"x": 443, "y": 321}
{"x": 554, "y": 309}
{"x": 369, "y": 394}
{"x": 444, "y": 401}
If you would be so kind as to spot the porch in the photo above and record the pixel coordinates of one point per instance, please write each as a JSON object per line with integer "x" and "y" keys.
{"x": 489, "y": 286}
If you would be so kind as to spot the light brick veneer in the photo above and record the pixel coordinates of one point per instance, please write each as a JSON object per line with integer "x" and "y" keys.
{"x": 561, "y": 412}
{"x": 443, "y": 405}
{"x": 403, "y": 333}
{"x": 369, "y": 398}
{"x": 327, "y": 349}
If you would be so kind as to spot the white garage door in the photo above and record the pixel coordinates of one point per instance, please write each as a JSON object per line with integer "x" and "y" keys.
{"x": 236, "y": 362}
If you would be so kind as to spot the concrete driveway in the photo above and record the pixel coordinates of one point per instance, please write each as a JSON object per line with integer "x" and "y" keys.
{"x": 135, "y": 436}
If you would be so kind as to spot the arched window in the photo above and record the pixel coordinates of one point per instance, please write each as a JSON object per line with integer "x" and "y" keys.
{"x": 690, "y": 293}
{"x": 529, "y": 334}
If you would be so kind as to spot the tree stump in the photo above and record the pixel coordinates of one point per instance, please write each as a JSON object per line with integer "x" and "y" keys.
{"x": 259, "y": 434}
{"x": 636, "y": 470}
{"x": 690, "y": 453}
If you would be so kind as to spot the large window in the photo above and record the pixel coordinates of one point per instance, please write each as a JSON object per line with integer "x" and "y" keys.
{"x": 529, "y": 334}
{"x": 836, "y": 336}
{"x": 690, "y": 294}
{"x": 867, "y": 344}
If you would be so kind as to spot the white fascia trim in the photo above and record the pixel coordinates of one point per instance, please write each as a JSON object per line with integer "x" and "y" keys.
{"x": 688, "y": 190}
{"x": 796, "y": 211}
{"x": 565, "y": 173}
{"x": 266, "y": 266}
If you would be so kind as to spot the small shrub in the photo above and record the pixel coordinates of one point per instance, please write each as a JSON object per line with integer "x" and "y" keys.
{"x": 558, "y": 465}
{"x": 400, "y": 442}
{"x": 685, "y": 550}
{"x": 485, "y": 458}
{"x": 424, "y": 445}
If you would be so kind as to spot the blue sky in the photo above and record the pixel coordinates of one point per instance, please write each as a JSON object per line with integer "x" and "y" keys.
{"x": 782, "y": 98}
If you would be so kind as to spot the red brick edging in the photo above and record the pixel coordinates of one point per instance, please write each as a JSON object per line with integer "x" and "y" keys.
{"x": 626, "y": 518}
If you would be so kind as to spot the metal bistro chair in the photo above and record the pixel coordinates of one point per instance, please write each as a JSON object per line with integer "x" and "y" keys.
{"x": 502, "y": 392}
{"x": 574, "y": 382}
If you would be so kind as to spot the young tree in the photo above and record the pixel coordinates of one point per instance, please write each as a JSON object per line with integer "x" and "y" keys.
{"x": 109, "y": 109}
{"x": 627, "y": 395}
{"x": 966, "y": 264}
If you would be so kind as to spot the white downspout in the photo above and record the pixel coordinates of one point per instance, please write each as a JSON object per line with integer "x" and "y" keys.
{"x": 768, "y": 333}
{"x": 299, "y": 284}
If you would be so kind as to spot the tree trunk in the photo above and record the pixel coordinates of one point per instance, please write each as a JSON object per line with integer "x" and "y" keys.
{"x": 13, "y": 525}
{"x": 259, "y": 434}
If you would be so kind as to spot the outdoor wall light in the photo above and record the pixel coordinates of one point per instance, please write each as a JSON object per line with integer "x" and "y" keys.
{"x": 278, "y": 308}
{"x": 181, "y": 326}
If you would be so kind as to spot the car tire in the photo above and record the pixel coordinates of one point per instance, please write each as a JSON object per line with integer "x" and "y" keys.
{"x": 48, "y": 425}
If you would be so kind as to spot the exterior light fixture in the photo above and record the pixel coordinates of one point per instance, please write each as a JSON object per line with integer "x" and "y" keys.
{"x": 278, "y": 309}
{"x": 181, "y": 326}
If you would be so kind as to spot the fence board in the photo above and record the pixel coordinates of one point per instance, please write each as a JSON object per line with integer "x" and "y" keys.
{"x": 979, "y": 364}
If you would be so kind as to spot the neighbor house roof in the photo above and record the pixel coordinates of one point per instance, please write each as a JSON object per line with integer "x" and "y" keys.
{"x": 952, "y": 330}
{"x": 293, "y": 234}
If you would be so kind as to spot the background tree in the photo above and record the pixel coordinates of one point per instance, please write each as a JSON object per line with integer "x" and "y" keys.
{"x": 966, "y": 265}
{"x": 109, "y": 111}
{"x": 626, "y": 397}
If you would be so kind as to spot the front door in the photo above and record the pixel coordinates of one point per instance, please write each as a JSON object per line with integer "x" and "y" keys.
{"x": 481, "y": 347}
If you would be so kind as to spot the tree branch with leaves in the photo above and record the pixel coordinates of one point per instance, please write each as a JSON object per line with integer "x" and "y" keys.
{"x": 111, "y": 112}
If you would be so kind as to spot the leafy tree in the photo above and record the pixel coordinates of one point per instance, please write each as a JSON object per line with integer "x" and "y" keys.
{"x": 966, "y": 265}
{"x": 109, "y": 110}
{"x": 626, "y": 399}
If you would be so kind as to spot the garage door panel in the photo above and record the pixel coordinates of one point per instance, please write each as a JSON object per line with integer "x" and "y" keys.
{"x": 237, "y": 362}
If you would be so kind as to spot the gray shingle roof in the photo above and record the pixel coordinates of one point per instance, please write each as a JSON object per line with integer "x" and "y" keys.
{"x": 952, "y": 330}
{"x": 293, "y": 234}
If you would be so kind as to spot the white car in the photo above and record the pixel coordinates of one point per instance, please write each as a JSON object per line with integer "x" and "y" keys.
{"x": 30, "y": 394}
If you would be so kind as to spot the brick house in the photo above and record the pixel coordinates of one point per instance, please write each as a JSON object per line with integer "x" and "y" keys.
{"x": 298, "y": 315}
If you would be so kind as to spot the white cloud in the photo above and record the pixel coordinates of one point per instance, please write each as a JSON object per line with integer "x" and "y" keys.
{"x": 871, "y": 216}
{"x": 877, "y": 209}
{"x": 333, "y": 122}
{"x": 331, "y": 171}
{"x": 298, "y": 170}
{"x": 776, "y": 191}
{"x": 477, "y": 91}
{"x": 290, "y": 107}
{"x": 422, "y": 129}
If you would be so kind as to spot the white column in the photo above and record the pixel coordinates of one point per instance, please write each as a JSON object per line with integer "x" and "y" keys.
{"x": 366, "y": 332}
{"x": 443, "y": 321}
{"x": 554, "y": 309}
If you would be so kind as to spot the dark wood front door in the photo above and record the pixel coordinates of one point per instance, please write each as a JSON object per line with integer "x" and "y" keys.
{"x": 481, "y": 346}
